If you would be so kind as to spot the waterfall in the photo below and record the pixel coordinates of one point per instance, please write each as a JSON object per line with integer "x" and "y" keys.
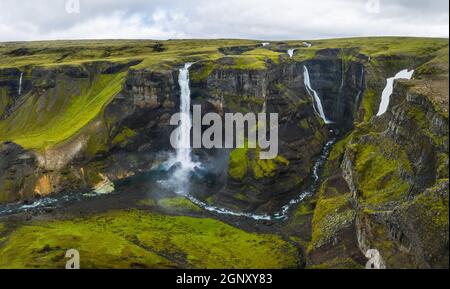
{"x": 389, "y": 89}
{"x": 307, "y": 44}
{"x": 20, "y": 83}
{"x": 184, "y": 137}
{"x": 264, "y": 44}
{"x": 290, "y": 52}
{"x": 361, "y": 89}
{"x": 316, "y": 97}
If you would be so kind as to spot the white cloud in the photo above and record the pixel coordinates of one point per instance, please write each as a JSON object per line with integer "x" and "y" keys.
{"x": 257, "y": 19}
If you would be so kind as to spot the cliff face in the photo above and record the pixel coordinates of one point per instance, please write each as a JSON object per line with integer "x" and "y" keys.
{"x": 395, "y": 194}
{"x": 72, "y": 126}
{"x": 132, "y": 128}
{"x": 255, "y": 185}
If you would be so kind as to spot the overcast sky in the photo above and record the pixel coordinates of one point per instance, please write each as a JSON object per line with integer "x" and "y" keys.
{"x": 255, "y": 19}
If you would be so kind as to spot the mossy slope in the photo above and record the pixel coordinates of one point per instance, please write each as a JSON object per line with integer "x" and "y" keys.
{"x": 127, "y": 239}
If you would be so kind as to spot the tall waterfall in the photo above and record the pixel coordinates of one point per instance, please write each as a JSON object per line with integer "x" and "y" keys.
{"x": 184, "y": 131}
{"x": 316, "y": 97}
{"x": 20, "y": 83}
{"x": 389, "y": 89}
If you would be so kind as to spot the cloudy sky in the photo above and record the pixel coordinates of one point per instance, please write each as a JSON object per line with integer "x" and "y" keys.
{"x": 256, "y": 19}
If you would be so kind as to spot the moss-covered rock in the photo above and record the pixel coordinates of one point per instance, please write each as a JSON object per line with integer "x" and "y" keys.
{"x": 135, "y": 239}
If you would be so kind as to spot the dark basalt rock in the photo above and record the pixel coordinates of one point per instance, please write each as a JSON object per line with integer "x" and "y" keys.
{"x": 17, "y": 172}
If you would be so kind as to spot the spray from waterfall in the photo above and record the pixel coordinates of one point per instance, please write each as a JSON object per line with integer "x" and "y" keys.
{"x": 184, "y": 136}
{"x": 389, "y": 89}
{"x": 182, "y": 163}
{"x": 316, "y": 97}
{"x": 20, "y": 83}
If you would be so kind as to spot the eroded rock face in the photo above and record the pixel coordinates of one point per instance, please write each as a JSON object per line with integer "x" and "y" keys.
{"x": 280, "y": 89}
{"x": 402, "y": 206}
{"x": 17, "y": 172}
{"x": 132, "y": 131}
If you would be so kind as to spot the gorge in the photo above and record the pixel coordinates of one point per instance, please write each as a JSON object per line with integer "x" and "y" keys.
{"x": 363, "y": 158}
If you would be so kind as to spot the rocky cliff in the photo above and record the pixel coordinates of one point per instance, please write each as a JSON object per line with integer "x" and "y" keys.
{"x": 72, "y": 121}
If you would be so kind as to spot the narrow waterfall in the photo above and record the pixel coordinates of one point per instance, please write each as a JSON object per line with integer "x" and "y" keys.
{"x": 184, "y": 133}
{"x": 20, "y": 83}
{"x": 361, "y": 89}
{"x": 291, "y": 52}
{"x": 316, "y": 97}
{"x": 389, "y": 89}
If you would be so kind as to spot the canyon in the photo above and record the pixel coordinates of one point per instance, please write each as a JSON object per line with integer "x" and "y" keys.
{"x": 362, "y": 163}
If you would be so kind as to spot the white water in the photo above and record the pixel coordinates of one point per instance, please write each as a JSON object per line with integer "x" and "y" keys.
{"x": 316, "y": 97}
{"x": 20, "y": 83}
{"x": 361, "y": 88}
{"x": 291, "y": 52}
{"x": 389, "y": 89}
{"x": 307, "y": 44}
{"x": 184, "y": 138}
{"x": 265, "y": 44}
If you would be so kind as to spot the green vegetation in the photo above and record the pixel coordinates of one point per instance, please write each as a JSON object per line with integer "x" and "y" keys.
{"x": 433, "y": 208}
{"x": 338, "y": 263}
{"x": 135, "y": 239}
{"x": 385, "y": 46}
{"x": 380, "y": 173}
{"x": 330, "y": 215}
{"x": 178, "y": 204}
{"x": 243, "y": 159}
{"x": 43, "y": 128}
{"x": 44, "y": 121}
{"x": 369, "y": 104}
{"x": 51, "y": 53}
{"x": 124, "y": 135}
{"x": 238, "y": 165}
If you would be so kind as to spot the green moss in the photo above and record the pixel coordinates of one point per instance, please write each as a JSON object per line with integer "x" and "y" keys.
{"x": 433, "y": 208}
{"x": 385, "y": 46}
{"x": 339, "y": 148}
{"x": 369, "y": 104}
{"x": 330, "y": 215}
{"x": 126, "y": 239}
{"x": 443, "y": 166}
{"x": 304, "y": 123}
{"x": 338, "y": 263}
{"x": 35, "y": 128}
{"x": 379, "y": 176}
{"x": 424, "y": 124}
{"x": 243, "y": 159}
{"x": 437, "y": 65}
{"x": 5, "y": 99}
{"x": 207, "y": 67}
{"x": 178, "y": 204}
{"x": 124, "y": 135}
{"x": 147, "y": 203}
{"x": 238, "y": 164}
{"x": 240, "y": 197}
